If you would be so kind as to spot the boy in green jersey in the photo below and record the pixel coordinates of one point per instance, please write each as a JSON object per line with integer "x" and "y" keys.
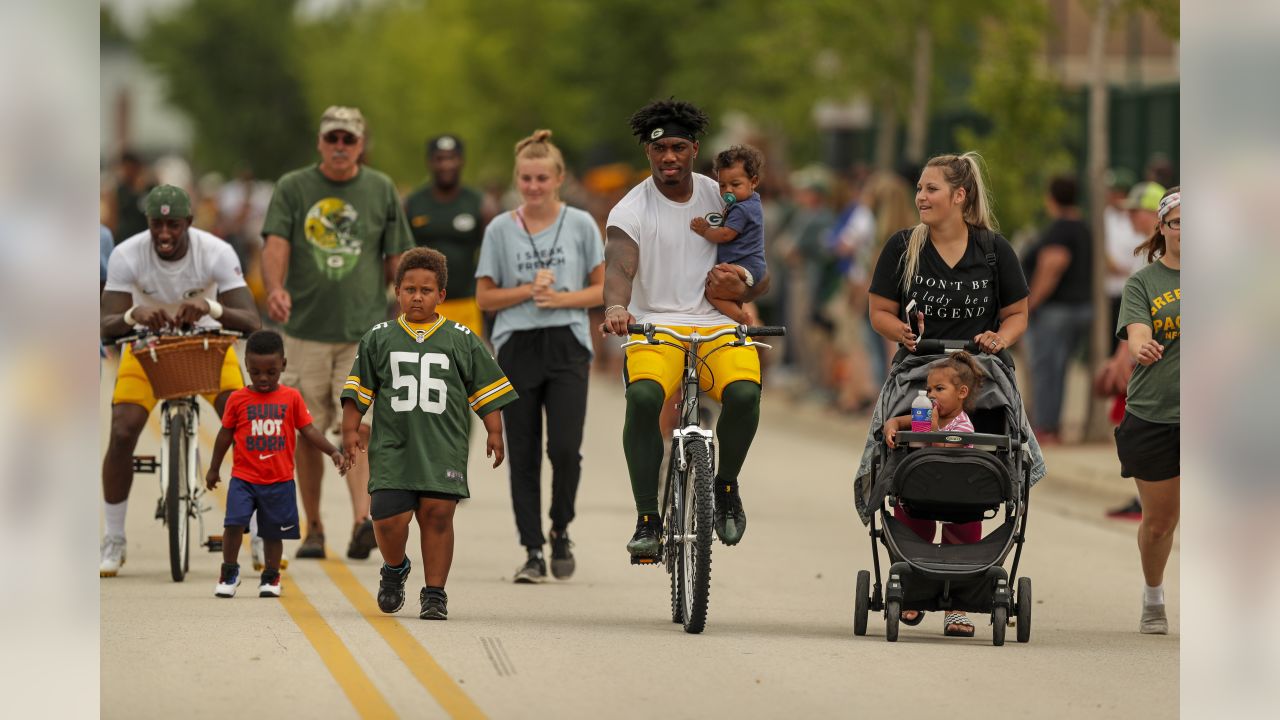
{"x": 427, "y": 372}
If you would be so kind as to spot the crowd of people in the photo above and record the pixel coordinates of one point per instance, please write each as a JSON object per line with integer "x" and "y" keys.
{"x": 532, "y": 274}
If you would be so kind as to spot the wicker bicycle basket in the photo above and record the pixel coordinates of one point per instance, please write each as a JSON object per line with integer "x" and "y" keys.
{"x": 184, "y": 366}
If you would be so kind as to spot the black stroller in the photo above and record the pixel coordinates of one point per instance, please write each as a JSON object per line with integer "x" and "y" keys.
{"x": 950, "y": 484}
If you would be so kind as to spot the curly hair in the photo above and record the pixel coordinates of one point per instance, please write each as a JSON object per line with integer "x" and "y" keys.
{"x": 660, "y": 112}
{"x": 264, "y": 342}
{"x": 752, "y": 160}
{"x": 421, "y": 258}
{"x": 967, "y": 374}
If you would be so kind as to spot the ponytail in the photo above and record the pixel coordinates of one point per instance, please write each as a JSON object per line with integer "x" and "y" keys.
{"x": 968, "y": 373}
{"x": 960, "y": 172}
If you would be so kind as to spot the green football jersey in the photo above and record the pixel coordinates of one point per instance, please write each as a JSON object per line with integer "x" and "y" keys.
{"x": 425, "y": 379}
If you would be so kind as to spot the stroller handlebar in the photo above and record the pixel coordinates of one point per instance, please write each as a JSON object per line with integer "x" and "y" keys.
{"x": 940, "y": 347}
{"x": 966, "y": 438}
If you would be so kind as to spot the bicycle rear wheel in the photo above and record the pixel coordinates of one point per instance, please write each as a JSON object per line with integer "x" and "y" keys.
{"x": 178, "y": 497}
{"x": 695, "y": 542}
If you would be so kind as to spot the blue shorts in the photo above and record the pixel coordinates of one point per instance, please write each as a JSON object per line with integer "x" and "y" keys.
{"x": 277, "y": 506}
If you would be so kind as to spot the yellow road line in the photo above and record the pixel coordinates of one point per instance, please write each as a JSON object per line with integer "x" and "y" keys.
{"x": 367, "y": 700}
{"x": 424, "y": 667}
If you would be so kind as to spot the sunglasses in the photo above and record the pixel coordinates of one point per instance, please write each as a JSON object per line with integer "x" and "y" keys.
{"x": 1175, "y": 223}
{"x": 334, "y": 138}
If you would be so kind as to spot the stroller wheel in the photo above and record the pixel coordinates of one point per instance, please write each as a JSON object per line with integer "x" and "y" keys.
{"x": 861, "y": 603}
{"x": 892, "y": 616}
{"x": 1024, "y": 609}
{"x": 999, "y": 621}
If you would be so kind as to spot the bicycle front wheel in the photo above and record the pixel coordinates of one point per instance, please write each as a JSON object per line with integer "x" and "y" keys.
{"x": 695, "y": 543}
{"x": 671, "y": 532}
{"x": 178, "y": 497}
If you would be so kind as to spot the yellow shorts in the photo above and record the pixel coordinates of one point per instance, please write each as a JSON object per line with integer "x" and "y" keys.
{"x": 665, "y": 364}
{"x": 465, "y": 311}
{"x": 132, "y": 385}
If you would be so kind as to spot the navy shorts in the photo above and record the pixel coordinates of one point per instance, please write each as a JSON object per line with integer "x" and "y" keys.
{"x": 389, "y": 503}
{"x": 277, "y": 506}
{"x": 1148, "y": 451}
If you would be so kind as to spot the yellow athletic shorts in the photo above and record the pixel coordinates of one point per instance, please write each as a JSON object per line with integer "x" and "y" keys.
{"x": 132, "y": 385}
{"x": 665, "y": 364}
{"x": 465, "y": 311}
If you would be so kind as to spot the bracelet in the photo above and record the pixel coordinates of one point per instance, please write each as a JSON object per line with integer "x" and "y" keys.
{"x": 621, "y": 307}
{"x": 215, "y": 309}
{"x": 128, "y": 315}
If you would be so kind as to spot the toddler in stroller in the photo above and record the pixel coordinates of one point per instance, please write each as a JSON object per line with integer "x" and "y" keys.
{"x": 971, "y": 467}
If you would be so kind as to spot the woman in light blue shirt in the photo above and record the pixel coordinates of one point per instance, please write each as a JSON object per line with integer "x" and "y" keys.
{"x": 541, "y": 266}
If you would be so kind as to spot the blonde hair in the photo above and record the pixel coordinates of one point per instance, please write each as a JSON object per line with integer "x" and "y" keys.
{"x": 960, "y": 172}
{"x": 538, "y": 146}
{"x": 889, "y": 198}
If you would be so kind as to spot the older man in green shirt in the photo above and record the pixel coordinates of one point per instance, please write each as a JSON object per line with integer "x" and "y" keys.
{"x": 334, "y": 233}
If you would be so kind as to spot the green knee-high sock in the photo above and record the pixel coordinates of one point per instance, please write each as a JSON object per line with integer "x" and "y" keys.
{"x": 739, "y": 418}
{"x": 642, "y": 442}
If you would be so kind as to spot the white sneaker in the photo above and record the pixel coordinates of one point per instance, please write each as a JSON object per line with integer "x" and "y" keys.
{"x": 269, "y": 588}
{"x": 113, "y": 554}
{"x": 228, "y": 581}
{"x": 257, "y": 549}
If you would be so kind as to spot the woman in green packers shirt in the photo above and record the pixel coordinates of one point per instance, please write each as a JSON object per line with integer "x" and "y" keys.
{"x": 1147, "y": 439}
{"x": 941, "y": 265}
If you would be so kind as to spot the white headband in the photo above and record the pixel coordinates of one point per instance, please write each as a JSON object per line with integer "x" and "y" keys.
{"x": 1168, "y": 203}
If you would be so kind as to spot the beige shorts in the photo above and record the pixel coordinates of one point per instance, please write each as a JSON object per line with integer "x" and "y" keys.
{"x": 318, "y": 370}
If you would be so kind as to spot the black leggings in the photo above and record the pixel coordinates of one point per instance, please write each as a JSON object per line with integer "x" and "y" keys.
{"x": 549, "y": 368}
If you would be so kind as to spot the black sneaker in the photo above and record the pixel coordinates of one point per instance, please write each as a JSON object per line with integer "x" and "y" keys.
{"x": 1131, "y": 511}
{"x": 731, "y": 519}
{"x": 562, "y": 562}
{"x": 391, "y": 587}
{"x": 362, "y": 541}
{"x": 645, "y": 543}
{"x": 534, "y": 569}
{"x": 435, "y": 604}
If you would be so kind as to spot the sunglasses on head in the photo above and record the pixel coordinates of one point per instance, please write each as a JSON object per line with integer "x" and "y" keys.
{"x": 333, "y": 138}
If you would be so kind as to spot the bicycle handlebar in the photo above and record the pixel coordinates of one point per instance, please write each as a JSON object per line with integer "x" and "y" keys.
{"x": 743, "y": 331}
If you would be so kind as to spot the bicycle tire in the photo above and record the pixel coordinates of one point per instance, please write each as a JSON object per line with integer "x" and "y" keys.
{"x": 670, "y": 531}
{"x": 699, "y": 512}
{"x": 177, "y": 498}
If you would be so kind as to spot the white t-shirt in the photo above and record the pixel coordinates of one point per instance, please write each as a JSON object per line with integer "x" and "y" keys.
{"x": 209, "y": 268}
{"x": 670, "y": 284}
{"x": 1122, "y": 240}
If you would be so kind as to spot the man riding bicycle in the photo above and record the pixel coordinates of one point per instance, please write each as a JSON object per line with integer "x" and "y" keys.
{"x": 657, "y": 271}
{"x": 170, "y": 275}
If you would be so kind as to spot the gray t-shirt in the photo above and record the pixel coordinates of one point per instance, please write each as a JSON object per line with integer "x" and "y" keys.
{"x": 1153, "y": 296}
{"x": 509, "y": 257}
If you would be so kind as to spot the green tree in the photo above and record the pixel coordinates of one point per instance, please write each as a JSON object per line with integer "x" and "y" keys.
{"x": 229, "y": 65}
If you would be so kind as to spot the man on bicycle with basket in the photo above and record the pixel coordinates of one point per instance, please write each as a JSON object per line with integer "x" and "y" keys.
{"x": 170, "y": 276}
{"x": 657, "y": 271}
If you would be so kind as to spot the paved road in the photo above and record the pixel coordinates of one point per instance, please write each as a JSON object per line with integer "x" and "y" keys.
{"x": 779, "y": 636}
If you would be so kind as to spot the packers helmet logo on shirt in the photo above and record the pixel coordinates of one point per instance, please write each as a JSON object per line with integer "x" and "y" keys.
{"x": 716, "y": 219}
{"x": 657, "y": 133}
{"x": 465, "y": 222}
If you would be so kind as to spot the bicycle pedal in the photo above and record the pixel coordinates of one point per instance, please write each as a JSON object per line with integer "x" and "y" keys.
{"x": 215, "y": 543}
{"x": 645, "y": 560}
{"x": 145, "y": 464}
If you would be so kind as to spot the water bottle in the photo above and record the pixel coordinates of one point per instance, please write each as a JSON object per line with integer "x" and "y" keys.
{"x": 922, "y": 413}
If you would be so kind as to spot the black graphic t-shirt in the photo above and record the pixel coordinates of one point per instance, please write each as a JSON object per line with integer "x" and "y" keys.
{"x": 958, "y": 302}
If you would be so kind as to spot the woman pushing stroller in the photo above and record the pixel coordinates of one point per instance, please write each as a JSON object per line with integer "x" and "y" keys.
{"x": 962, "y": 280}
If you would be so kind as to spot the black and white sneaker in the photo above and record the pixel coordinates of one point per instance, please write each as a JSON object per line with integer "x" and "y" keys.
{"x": 269, "y": 585}
{"x": 435, "y": 604}
{"x": 562, "y": 562}
{"x": 391, "y": 587}
{"x": 534, "y": 569}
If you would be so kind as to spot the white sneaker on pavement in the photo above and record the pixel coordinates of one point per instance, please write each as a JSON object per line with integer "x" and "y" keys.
{"x": 228, "y": 581}
{"x": 113, "y": 554}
